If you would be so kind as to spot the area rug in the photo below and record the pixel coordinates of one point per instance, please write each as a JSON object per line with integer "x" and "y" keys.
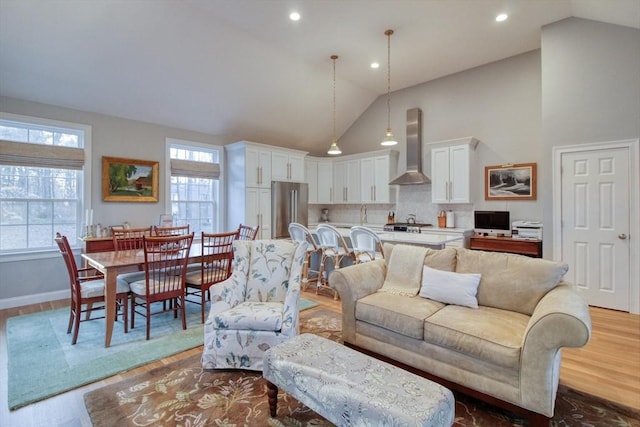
{"x": 42, "y": 362}
{"x": 182, "y": 394}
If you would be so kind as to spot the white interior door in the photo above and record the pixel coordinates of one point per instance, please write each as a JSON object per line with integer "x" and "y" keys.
{"x": 596, "y": 224}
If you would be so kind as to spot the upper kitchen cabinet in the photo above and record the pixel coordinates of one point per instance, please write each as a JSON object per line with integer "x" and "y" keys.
{"x": 346, "y": 181}
{"x": 287, "y": 165}
{"x": 249, "y": 164}
{"x": 375, "y": 174}
{"x": 451, "y": 170}
{"x": 319, "y": 176}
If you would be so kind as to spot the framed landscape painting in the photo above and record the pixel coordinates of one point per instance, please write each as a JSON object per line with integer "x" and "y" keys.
{"x": 129, "y": 180}
{"x": 510, "y": 182}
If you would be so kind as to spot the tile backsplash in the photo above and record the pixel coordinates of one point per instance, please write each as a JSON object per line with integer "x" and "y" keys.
{"x": 412, "y": 199}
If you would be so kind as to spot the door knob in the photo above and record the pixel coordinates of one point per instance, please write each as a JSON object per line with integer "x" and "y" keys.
{"x": 622, "y": 236}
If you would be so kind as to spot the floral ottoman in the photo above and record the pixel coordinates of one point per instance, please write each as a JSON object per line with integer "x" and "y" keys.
{"x": 349, "y": 388}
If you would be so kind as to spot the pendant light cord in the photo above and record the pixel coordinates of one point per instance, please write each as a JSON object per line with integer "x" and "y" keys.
{"x": 334, "y": 57}
{"x": 388, "y": 33}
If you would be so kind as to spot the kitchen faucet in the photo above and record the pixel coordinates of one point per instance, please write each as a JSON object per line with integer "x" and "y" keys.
{"x": 363, "y": 217}
{"x": 411, "y": 219}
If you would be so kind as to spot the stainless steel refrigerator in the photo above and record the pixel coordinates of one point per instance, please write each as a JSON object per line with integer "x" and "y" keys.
{"x": 289, "y": 203}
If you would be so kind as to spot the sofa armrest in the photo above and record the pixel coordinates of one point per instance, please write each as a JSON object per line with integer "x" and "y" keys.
{"x": 561, "y": 319}
{"x": 353, "y": 283}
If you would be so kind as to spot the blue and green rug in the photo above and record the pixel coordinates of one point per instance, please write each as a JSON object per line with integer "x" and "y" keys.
{"x": 43, "y": 363}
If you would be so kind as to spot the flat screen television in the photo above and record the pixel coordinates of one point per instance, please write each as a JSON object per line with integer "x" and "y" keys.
{"x": 492, "y": 223}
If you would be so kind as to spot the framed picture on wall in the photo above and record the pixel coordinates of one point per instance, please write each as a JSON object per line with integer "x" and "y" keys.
{"x": 129, "y": 180}
{"x": 510, "y": 182}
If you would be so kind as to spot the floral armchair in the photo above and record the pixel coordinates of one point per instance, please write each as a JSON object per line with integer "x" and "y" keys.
{"x": 257, "y": 307}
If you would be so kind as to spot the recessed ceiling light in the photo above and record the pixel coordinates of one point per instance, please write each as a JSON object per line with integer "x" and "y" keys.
{"x": 294, "y": 16}
{"x": 502, "y": 17}
{"x": 375, "y": 65}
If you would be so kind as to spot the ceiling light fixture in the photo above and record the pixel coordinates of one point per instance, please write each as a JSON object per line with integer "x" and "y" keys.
{"x": 334, "y": 149}
{"x": 294, "y": 16}
{"x": 389, "y": 139}
{"x": 375, "y": 65}
{"x": 501, "y": 17}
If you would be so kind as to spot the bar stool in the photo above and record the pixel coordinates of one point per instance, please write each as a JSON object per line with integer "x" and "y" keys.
{"x": 366, "y": 244}
{"x": 334, "y": 248}
{"x": 300, "y": 233}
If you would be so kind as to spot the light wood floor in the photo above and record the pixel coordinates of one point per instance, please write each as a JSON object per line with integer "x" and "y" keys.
{"x": 609, "y": 367}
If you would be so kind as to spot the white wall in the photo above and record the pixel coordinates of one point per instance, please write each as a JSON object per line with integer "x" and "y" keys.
{"x": 111, "y": 136}
{"x": 590, "y": 91}
{"x": 498, "y": 103}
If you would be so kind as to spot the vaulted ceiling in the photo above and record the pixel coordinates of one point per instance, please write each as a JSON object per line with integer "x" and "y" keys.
{"x": 242, "y": 69}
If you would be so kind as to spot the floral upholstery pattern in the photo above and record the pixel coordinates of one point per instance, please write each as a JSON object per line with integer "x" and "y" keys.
{"x": 350, "y": 388}
{"x": 257, "y": 307}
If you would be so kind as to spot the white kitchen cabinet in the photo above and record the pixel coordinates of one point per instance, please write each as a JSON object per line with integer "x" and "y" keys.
{"x": 319, "y": 176}
{"x": 346, "y": 181}
{"x": 375, "y": 174}
{"x": 451, "y": 170}
{"x": 258, "y": 210}
{"x": 249, "y": 176}
{"x": 325, "y": 181}
{"x": 249, "y": 163}
{"x": 287, "y": 166}
{"x": 311, "y": 177}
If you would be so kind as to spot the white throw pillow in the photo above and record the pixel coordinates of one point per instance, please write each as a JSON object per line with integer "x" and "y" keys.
{"x": 449, "y": 287}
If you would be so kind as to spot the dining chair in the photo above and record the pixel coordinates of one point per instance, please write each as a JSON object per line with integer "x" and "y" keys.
{"x": 170, "y": 231}
{"x": 217, "y": 255}
{"x": 129, "y": 238}
{"x": 300, "y": 233}
{"x": 335, "y": 249}
{"x": 366, "y": 244}
{"x": 165, "y": 267}
{"x": 246, "y": 232}
{"x": 87, "y": 288}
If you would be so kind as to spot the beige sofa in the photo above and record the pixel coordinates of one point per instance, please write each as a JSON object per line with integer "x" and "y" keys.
{"x": 506, "y": 351}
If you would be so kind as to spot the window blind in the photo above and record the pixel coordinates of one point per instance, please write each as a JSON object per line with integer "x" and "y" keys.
{"x": 40, "y": 155}
{"x": 194, "y": 169}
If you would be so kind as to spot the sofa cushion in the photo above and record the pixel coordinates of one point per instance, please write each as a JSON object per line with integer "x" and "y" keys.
{"x": 488, "y": 334}
{"x": 402, "y": 314}
{"x": 510, "y": 282}
{"x": 441, "y": 259}
{"x": 450, "y": 287}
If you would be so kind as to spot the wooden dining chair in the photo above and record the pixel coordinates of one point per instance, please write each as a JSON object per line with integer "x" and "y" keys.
{"x": 87, "y": 288}
{"x": 129, "y": 238}
{"x": 171, "y": 231}
{"x": 246, "y": 232}
{"x": 165, "y": 267}
{"x": 217, "y": 251}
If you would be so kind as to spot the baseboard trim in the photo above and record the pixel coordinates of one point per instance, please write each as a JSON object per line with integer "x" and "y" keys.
{"x": 33, "y": 299}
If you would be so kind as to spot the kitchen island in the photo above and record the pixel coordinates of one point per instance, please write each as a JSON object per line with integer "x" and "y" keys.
{"x": 435, "y": 239}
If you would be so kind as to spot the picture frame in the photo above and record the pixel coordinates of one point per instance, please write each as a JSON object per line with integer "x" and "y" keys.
{"x": 129, "y": 180}
{"x": 510, "y": 182}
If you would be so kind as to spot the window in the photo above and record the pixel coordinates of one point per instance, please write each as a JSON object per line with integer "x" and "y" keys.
{"x": 42, "y": 177}
{"x": 195, "y": 171}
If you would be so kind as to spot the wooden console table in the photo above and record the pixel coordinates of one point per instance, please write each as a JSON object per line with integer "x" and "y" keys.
{"x": 532, "y": 248}
{"x": 97, "y": 244}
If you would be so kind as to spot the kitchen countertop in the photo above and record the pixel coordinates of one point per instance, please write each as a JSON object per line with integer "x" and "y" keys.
{"x": 426, "y": 239}
{"x": 378, "y": 228}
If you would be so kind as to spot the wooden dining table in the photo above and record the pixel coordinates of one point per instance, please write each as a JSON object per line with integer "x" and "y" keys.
{"x": 114, "y": 262}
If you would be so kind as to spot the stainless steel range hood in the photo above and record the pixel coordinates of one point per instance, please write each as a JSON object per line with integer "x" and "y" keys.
{"x": 414, "y": 174}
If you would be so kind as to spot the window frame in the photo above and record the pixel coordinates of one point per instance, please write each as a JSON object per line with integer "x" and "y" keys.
{"x": 221, "y": 180}
{"x": 84, "y": 201}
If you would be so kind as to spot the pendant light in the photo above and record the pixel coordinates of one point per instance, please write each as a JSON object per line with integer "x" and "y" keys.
{"x": 389, "y": 139}
{"x": 334, "y": 149}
